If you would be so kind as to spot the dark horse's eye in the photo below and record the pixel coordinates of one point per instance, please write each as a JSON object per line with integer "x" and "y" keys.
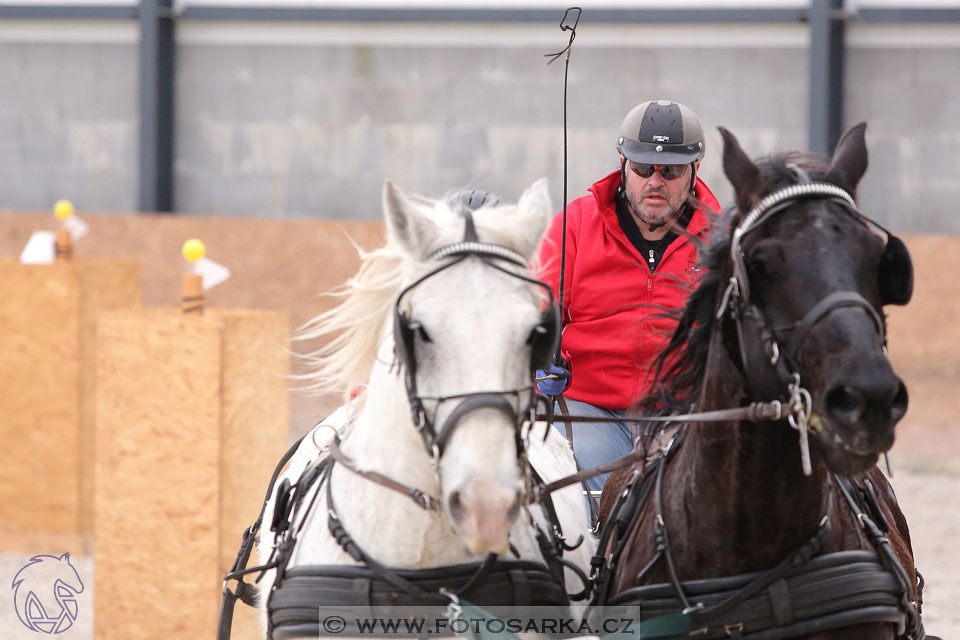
{"x": 765, "y": 259}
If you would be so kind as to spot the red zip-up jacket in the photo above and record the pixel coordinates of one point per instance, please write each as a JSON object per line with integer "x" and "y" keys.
{"x": 612, "y": 329}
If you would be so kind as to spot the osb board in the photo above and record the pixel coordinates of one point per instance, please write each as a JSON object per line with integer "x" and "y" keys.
{"x": 202, "y": 403}
{"x": 94, "y": 284}
{"x": 156, "y": 499}
{"x": 255, "y": 427}
{"x": 278, "y": 265}
{"x": 39, "y": 398}
{"x": 105, "y": 284}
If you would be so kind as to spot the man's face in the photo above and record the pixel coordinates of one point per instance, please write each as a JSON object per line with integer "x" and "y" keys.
{"x": 656, "y": 200}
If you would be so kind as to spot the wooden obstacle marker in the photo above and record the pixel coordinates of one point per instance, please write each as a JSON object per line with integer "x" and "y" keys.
{"x": 48, "y": 316}
{"x": 192, "y": 416}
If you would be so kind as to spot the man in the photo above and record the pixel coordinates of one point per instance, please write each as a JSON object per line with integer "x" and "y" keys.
{"x": 629, "y": 258}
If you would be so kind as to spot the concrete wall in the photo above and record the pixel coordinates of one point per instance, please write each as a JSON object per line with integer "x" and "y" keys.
{"x": 911, "y": 101}
{"x": 314, "y": 128}
{"x": 307, "y": 120}
{"x": 68, "y": 115}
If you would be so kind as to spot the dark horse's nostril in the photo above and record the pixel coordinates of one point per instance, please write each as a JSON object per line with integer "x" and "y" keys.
{"x": 898, "y": 406}
{"x": 455, "y": 506}
{"x": 846, "y": 404}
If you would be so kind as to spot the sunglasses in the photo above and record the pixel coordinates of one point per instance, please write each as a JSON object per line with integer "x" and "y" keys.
{"x": 667, "y": 171}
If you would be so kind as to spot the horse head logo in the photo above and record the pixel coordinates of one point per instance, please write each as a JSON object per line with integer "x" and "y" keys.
{"x": 45, "y": 594}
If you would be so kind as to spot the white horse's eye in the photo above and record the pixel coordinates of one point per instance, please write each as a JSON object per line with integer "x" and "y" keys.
{"x": 421, "y": 331}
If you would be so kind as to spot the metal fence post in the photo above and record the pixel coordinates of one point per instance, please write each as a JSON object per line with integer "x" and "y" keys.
{"x": 156, "y": 105}
{"x": 827, "y": 22}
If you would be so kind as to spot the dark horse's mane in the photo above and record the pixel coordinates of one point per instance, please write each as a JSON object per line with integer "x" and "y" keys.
{"x": 680, "y": 369}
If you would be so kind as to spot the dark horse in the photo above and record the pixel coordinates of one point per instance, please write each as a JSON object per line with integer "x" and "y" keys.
{"x": 731, "y": 528}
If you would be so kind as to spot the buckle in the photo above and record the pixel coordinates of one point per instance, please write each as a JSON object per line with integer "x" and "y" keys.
{"x": 778, "y": 407}
{"x": 692, "y": 608}
{"x": 454, "y": 609}
{"x": 423, "y": 500}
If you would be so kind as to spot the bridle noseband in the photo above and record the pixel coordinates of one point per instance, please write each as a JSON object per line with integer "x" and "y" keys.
{"x": 545, "y": 337}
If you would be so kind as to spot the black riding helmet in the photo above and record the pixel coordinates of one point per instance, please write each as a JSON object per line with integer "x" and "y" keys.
{"x": 661, "y": 132}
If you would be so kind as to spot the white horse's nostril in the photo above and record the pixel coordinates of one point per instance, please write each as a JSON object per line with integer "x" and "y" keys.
{"x": 514, "y": 509}
{"x": 455, "y": 506}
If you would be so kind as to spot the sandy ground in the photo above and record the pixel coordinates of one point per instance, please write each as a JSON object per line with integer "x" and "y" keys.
{"x": 929, "y": 500}
{"x": 932, "y": 507}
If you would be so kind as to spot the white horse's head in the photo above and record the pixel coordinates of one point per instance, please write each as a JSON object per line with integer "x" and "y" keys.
{"x": 470, "y": 331}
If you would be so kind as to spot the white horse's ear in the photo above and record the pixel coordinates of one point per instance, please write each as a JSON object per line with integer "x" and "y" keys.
{"x": 407, "y": 223}
{"x": 534, "y": 213}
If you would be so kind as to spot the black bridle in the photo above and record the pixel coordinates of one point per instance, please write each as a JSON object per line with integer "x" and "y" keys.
{"x": 292, "y": 497}
{"x": 779, "y": 376}
{"x": 843, "y": 578}
{"x": 544, "y": 338}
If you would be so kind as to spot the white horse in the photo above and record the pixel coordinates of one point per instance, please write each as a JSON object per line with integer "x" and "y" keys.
{"x": 471, "y": 325}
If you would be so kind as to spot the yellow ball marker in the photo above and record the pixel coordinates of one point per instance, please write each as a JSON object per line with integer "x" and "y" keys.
{"x": 192, "y": 283}
{"x": 193, "y": 249}
{"x": 63, "y": 209}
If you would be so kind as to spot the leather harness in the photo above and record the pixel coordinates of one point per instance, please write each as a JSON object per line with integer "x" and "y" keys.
{"x": 804, "y": 593}
{"x": 290, "y": 499}
{"x": 294, "y": 601}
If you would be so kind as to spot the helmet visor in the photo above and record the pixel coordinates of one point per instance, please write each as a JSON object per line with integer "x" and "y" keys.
{"x": 656, "y": 153}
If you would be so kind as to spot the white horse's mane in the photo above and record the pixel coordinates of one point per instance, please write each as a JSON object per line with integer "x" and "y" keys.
{"x": 357, "y": 323}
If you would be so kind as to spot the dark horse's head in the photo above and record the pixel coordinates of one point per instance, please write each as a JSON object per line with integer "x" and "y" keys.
{"x": 795, "y": 288}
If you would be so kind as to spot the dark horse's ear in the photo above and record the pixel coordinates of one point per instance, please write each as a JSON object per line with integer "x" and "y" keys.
{"x": 748, "y": 183}
{"x": 849, "y": 161}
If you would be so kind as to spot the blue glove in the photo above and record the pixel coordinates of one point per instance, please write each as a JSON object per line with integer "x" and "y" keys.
{"x": 553, "y": 386}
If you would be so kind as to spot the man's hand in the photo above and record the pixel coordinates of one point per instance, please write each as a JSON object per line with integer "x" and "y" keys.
{"x": 554, "y": 381}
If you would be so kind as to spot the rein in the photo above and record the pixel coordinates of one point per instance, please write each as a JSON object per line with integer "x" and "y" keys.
{"x": 348, "y": 544}
{"x": 423, "y": 500}
{"x": 796, "y": 410}
{"x": 540, "y": 584}
{"x": 803, "y": 593}
{"x": 290, "y": 497}
{"x": 796, "y": 406}
{"x": 781, "y": 376}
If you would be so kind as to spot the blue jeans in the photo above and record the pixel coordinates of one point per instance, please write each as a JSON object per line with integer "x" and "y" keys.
{"x": 596, "y": 442}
